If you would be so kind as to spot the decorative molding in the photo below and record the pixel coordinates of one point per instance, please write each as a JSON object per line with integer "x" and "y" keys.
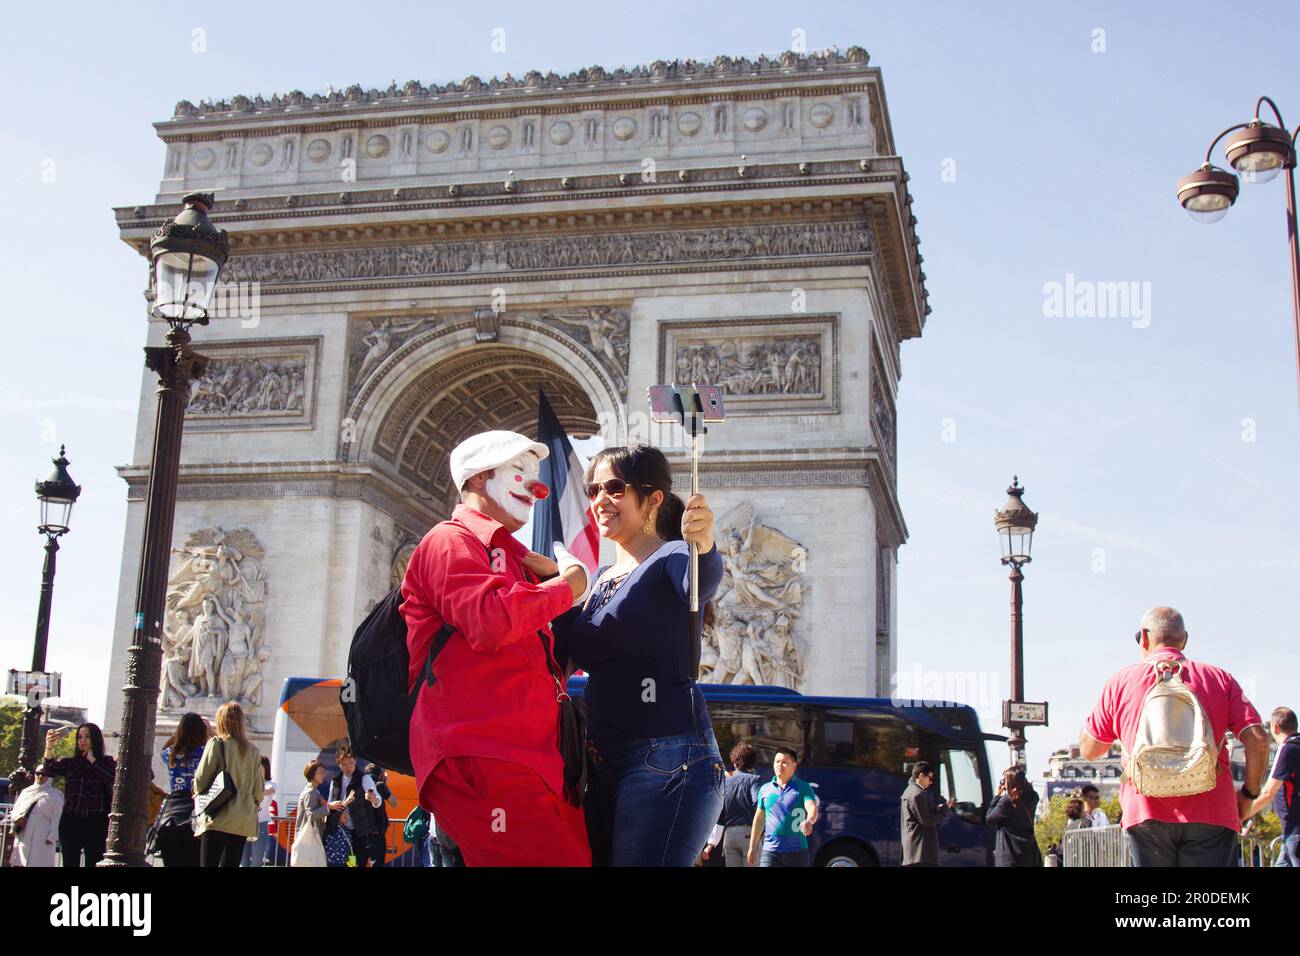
{"x": 765, "y": 364}
{"x": 256, "y": 383}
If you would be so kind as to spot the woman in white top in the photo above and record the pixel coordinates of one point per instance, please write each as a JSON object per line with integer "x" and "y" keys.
{"x": 36, "y": 819}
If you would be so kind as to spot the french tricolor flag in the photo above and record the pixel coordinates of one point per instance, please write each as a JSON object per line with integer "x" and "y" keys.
{"x": 566, "y": 514}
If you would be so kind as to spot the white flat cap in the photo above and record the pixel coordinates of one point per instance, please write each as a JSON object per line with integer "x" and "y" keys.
{"x": 488, "y": 450}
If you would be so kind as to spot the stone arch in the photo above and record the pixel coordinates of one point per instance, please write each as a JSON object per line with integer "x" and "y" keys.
{"x": 444, "y": 385}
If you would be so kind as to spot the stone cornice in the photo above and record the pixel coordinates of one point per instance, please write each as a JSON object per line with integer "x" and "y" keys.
{"x": 661, "y": 75}
{"x": 810, "y": 468}
{"x": 291, "y": 479}
{"x": 138, "y": 223}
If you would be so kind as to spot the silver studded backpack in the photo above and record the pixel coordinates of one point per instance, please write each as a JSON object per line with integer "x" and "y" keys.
{"x": 1174, "y": 752}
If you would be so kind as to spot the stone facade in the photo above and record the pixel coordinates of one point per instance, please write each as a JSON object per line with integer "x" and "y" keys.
{"x": 409, "y": 266}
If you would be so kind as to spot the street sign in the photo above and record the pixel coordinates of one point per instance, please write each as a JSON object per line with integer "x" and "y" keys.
{"x": 35, "y": 686}
{"x": 1021, "y": 713}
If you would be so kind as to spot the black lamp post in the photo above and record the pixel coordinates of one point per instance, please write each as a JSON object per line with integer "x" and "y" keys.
{"x": 57, "y": 494}
{"x": 188, "y": 254}
{"x": 1258, "y": 151}
{"x": 1015, "y": 524}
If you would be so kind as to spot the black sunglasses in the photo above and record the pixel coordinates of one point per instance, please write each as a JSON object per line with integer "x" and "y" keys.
{"x": 614, "y": 487}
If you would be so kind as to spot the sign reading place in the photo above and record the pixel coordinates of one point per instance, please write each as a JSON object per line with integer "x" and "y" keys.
{"x": 1020, "y": 713}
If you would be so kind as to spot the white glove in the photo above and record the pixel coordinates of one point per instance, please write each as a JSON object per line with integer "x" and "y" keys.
{"x": 565, "y": 560}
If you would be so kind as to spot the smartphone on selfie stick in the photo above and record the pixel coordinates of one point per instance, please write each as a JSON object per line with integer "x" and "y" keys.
{"x": 691, "y": 406}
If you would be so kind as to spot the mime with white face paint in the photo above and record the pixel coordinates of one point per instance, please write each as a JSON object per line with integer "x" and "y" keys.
{"x": 484, "y": 735}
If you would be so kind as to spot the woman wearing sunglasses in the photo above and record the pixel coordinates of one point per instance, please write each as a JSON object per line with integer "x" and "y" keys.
{"x": 655, "y": 757}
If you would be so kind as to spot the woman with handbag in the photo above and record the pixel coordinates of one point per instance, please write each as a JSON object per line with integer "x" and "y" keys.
{"x": 35, "y": 819}
{"x": 174, "y": 833}
{"x": 313, "y": 814}
{"x": 1012, "y": 814}
{"x": 87, "y": 794}
{"x": 227, "y": 791}
{"x": 656, "y": 785}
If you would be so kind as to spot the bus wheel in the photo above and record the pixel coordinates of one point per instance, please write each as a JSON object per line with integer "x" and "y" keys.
{"x": 846, "y": 853}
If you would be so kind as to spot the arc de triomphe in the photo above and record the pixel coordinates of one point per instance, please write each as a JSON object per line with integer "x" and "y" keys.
{"x": 411, "y": 265}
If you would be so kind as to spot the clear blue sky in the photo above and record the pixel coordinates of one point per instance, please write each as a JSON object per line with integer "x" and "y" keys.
{"x": 1128, "y": 439}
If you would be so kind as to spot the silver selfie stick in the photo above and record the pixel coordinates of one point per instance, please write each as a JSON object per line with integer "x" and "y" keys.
{"x": 683, "y": 403}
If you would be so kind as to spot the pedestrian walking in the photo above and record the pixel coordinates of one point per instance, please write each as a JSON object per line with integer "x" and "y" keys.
{"x": 358, "y": 791}
{"x": 87, "y": 794}
{"x": 222, "y": 835}
{"x": 256, "y": 849}
{"x": 787, "y": 810}
{"x": 174, "y": 833}
{"x": 922, "y": 812}
{"x": 1011, "y": 814}
{"x": 484, "y": 738}
{"x": 739, "y": 801}
{"x": 1172, "y": 714}
{"x": 1091, "y": 797}
{"x": 1283, "y": 779}
{"x": 656, "y": 759}
{"x": 310, "y": 820}
{"x": 34, "y": 820}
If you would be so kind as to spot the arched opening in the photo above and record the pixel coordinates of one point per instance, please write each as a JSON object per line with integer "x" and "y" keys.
{"x": 472, "y": 390}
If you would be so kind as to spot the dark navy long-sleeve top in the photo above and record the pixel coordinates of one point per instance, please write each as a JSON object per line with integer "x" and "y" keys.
{"x": 635, "y": 646}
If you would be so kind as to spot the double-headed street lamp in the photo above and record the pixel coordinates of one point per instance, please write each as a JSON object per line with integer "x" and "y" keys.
{"x": 57, "y": 494}
{"x": 188, "y": 254}
{"x": 1258, "y": 151}
{"x": 1015, "y": 524}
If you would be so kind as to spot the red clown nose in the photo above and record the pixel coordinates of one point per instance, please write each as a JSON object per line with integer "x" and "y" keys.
{"x": 540, "y": 491}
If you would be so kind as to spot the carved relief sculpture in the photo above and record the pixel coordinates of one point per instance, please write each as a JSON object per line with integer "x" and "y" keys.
{"x": 214, "y": 642}
{"x": 758, "y": 605}
{"x": 245, "y": 386}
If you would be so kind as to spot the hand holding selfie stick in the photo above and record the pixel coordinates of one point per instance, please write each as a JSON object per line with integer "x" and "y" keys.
{"x": 691, "y": 406}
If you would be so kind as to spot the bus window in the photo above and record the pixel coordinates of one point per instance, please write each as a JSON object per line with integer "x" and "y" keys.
{"x": 959, "y": 780}
{"x": 768, "y": 727}
{"x": 867, "y": 739}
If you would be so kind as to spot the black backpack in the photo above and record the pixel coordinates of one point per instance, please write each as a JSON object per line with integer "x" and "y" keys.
{"x": 377, "y": 700}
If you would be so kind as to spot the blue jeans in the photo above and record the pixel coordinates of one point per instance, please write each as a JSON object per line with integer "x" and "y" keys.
{"x": 1156, "y": 843}
{"x": 786, "y": 858}
{"x": 667, "y": 794}
{"x": 1291, "y": 854}
{"x": 255, "y": 851}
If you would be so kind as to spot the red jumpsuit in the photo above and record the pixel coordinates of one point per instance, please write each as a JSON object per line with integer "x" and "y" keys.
{"x": 484, "y": 737}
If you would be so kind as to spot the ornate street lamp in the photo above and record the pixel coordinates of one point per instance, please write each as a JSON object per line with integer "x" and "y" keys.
{"x": 57, "y": 494}
{"x": 188, "y": 254}
{"x": 1258, "y": 151}
{"x": 1015, "y": 524}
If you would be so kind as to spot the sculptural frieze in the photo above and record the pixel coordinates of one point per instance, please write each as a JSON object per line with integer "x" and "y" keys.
{"x": 757, "y": 241}
{"x": 214, "y": 632}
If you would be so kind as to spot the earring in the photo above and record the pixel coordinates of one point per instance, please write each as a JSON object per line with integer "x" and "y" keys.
{"x": 649, "y": 524}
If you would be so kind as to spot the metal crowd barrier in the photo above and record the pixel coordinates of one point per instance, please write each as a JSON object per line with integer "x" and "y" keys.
{"x": 397, "y": 852}
{"x": 1108, "y": 846}
{"x": 1095, "y": 846}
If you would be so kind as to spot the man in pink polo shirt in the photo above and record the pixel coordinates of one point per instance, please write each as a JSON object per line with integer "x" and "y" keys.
{"x": 1200, "y": 829}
